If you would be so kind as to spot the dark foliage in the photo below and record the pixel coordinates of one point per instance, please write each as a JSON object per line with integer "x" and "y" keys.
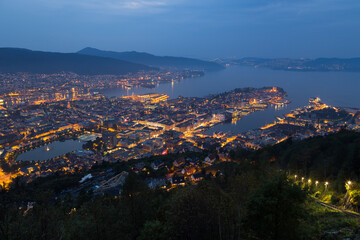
{"x": 250, "y": 198}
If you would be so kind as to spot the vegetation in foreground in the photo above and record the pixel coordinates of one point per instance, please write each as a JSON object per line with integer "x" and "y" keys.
{"x": 255, "y": 196}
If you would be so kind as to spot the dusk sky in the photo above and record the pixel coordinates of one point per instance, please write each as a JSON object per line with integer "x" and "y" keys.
{"x": 192, "y": 28}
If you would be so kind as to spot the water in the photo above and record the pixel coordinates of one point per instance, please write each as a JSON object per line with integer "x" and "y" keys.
{"x": 56, "y": 149}
{"x": 334, "y": 88}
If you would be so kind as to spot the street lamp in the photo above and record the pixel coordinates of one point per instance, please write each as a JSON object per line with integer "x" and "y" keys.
{"x": 316, "y": 183}
{"x": 326, "y": 184}
{"x": 295, "y": 177}
{"x": 348, "y": 185}
{"x": 309, "y": 181}
{"x": 302, "y": 179}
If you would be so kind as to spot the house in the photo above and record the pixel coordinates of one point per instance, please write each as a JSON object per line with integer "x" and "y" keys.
{"x": 190, "y": 170}
{"x": 156, "y": 182}
{"x": 197, "y": 177}
{"x": 152, "y": 144}
{"x": 24, "y": 171}
{"x": 193, "y": 161}
{"x": 157, "y": 164}
{"x": 177, "y": 180}
{"x": 252, "y": 145}
{"x": 210, "y": 159}
{"x": 139, "y": 167}
{"x": 178, "y": 162}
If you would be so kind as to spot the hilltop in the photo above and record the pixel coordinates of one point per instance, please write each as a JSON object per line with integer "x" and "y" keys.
{"x": 155, "y": 61}
{"x": 23, "y": 60}
{"x": 319, "y": 64}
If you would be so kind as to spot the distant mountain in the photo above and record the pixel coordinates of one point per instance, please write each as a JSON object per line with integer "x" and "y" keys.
{"x": 22, "y": 60}
{"x": 319, "y": 64}
{"x": 155, "y": 61}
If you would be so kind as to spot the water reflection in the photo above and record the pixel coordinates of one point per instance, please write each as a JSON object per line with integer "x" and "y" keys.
{"x": 55, "y": 149}
{"x": 334, "y": 88}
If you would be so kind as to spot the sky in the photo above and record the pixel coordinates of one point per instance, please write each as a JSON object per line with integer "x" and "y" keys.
{"x": 204, "y": 29}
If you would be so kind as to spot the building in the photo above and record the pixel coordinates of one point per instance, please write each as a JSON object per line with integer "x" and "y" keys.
{"x": 157, "y": 164}
{"x": 178, "y": 180}
{"x": 178, "y": 162}
{"x": 110, "y": 139}
{"x": 149, "y": 98}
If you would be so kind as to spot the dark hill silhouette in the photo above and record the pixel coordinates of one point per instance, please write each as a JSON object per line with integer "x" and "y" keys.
{"x": 23, "y": 60}
{"x": 156, "y": 61}
{"x": 319, "y": 64}
{"x": 335, "y": 157}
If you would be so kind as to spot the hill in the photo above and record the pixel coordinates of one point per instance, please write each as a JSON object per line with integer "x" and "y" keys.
{"x": 247, "y": 198}
{"x": 155, "y": 61}
{"x": 334, "y": 158}
{"x": 23, "y": 60}
{"x": 319, "y": 64}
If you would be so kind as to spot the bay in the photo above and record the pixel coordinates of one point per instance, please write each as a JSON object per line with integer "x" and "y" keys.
{"x": 339, "y": 89}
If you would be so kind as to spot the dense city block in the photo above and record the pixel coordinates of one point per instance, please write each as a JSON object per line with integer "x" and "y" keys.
{"x": 140, "y": 126}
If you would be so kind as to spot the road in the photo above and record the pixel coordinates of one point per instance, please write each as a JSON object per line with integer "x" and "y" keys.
{"x": 332, "y": 207}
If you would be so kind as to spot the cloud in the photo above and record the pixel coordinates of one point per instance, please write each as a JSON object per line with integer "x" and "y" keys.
{"x": 110, "y": 6}
{"x": 253, "y": 6}
{"x": 267, "y": 11}
{"x": 143, "y": 4}
{"x": 307, "y": 6}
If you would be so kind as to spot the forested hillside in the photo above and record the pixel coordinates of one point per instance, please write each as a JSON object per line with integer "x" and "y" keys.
{"x": 253, "y": 196}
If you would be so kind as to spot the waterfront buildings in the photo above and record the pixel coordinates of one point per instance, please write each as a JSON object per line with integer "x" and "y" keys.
{"x": 140, "y": 126}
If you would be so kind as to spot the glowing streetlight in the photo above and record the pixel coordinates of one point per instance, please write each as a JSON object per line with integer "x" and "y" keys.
{"x": 348, "y": 185}
{"x": 316, "y": 183}
{"x": 326, "y": 184}
{"x": 309, "y": 181}
{"x": 295, "y": 177}
{"x": 302, "y": 179}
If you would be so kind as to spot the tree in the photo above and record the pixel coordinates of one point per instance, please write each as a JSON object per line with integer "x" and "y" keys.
{"x": 276, "y": 210}
{"x": 202, "y": 212}
{"x": 153, "y": 230}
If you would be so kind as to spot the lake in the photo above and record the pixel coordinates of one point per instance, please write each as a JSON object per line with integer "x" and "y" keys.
{"x": 55, "y": 149}
{"x": 334, "y": 88}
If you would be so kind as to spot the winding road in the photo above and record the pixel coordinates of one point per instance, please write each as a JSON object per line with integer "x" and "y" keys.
{"x": 335, "y": 208}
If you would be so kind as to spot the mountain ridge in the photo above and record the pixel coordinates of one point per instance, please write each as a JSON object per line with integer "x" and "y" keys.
{"x": 153, "y": 60}
{"x": 24, "y": 60}
{"x": 317, "y": 64}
